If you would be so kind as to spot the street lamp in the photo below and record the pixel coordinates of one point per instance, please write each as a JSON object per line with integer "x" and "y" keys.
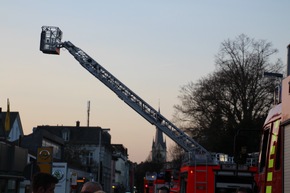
{"x": 100, "y": 153}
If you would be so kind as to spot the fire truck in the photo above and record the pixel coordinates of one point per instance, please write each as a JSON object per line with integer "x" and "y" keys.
{"x": 168, "y": 178}
{"x": 216, "y": 177}
{"x": 274, "y": 158}
{"x": 204, "y": 172}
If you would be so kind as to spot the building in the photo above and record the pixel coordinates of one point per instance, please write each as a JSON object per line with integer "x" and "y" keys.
{"x": 43, "y": 138}
{"x": 47, "y": 152}
{"x": 122, "y": 170}
{"x": 86, "y": 148}
{"x": 10, "y": 125}
{"x": 159, "y": 149}
{"x": 13, "y": 159}
{"x": 85, "y": 152}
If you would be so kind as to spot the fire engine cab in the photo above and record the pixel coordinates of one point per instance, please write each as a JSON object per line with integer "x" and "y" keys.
{"x": 274, "y": 158}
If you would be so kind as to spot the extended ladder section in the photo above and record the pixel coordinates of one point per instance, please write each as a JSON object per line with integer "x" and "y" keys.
{"x": 197, "y": 153}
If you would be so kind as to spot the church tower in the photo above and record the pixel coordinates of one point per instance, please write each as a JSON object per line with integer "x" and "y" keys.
{"x": 159, "y": 149}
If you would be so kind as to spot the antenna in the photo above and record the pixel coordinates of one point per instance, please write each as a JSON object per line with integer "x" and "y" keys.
{"x": 158, "y": 105}
{"x": 88, "y": 122}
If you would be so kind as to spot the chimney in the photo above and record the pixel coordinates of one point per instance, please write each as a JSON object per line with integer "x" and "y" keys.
{"x": 78, "y": 124}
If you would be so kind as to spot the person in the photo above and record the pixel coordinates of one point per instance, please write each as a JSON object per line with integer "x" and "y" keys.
{"x": 91, "y": 187}
{"x": 243, "y": 190}
{"x": 163, "y": 189}
{"x": 43, "y": 183}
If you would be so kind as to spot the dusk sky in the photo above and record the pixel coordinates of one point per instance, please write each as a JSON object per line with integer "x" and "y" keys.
{"x": 153, "y": 47}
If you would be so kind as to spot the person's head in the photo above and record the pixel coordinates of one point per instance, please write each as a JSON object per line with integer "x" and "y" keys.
{"x": 163, "y": 189}
{"x": 91, "y": 187}
{"x": 243, "y": 190}
{"x": 222, "y": 190}
{"x": 43, "y": 183}
{"x": 100, "y": 191}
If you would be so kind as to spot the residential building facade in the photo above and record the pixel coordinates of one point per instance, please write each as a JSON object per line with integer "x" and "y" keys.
{"x": 120, "y": 174}
{"x": 88, "y": 148}
{"x": 11, "y": 127}
{"x": 75, "y": 150}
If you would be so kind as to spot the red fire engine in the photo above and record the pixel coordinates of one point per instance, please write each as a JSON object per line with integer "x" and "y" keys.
{"x": 274, "y": 159}
{"x": 206, "y": 178}
{"x": 216, "y": 178}
{"x": 154, "y": 181}
{"x": 204, "y": 171}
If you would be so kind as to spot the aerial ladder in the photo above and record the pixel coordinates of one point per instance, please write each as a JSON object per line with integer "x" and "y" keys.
{"x": 50, "y": 43}
{"x": 199, "y": 159}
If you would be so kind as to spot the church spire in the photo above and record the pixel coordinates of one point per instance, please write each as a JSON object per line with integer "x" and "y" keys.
{"x": 159, "y": 148}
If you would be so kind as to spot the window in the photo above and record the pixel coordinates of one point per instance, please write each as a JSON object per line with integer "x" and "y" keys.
{"x": 65, "y": 135}
{"x": 265, "y": 143}
{"x": 11, "y": 186}
{"x": 183, "y": 182}
{"x": 88, "y": 158}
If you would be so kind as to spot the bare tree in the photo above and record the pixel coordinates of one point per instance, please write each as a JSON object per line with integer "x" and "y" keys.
{"x": 234, "y": 99}
{"x": 176, "y": 154}
{"x": 74, "y": 154}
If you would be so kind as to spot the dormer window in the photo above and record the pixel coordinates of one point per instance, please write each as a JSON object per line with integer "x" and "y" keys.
{"x": 65, "y": 134}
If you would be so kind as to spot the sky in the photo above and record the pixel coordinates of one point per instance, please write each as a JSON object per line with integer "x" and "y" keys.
{"x": 153, "y": 47}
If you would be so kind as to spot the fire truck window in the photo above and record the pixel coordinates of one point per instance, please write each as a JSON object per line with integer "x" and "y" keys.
{"x": 278, "y": 152}
{"x": 264, "y": 149}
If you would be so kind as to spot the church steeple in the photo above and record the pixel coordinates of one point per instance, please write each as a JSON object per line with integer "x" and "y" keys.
{"x": 159, "y": 148}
